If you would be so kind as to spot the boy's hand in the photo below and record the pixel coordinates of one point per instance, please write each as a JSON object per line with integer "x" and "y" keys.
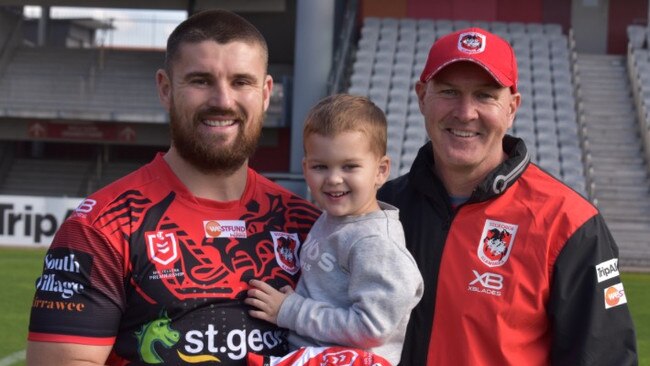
{"x": 267, "y": 300}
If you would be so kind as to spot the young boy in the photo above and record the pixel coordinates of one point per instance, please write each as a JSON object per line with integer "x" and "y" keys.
{"x": 359, "y": 282}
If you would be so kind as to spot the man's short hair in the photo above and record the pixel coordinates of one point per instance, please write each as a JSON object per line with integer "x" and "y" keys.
{"x": 220, "y": 26}
{"x": 344, "y": 113}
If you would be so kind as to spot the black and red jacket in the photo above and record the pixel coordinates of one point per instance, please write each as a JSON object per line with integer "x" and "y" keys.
{"x": 524, "y": 273}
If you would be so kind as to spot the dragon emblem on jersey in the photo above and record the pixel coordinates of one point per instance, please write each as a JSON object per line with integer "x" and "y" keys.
{"x": 156, "y": 332}
{"x": 190, "y": 266}
{"x": 496, "y": 242}
{"x": 286, "y": 247}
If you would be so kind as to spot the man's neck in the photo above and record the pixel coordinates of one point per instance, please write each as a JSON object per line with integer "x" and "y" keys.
{"x": 222, "y": 187}
{"x": 461, "y": 182}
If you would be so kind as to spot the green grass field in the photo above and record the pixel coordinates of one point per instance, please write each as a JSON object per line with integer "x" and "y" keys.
{"x": 20, "y": 267}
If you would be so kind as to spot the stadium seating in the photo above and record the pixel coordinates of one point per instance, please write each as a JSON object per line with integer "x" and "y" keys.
{"x": 46, "y": 177}
{"x": 392, "y": 52}
{"x": 112, "y": 171}
{"x": 613, "y": 128}
{"x": 565, "y": 135}
{"x": 81, "y": 83}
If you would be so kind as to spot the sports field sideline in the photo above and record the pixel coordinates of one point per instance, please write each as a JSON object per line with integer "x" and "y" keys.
{"x": 19, "y": 269}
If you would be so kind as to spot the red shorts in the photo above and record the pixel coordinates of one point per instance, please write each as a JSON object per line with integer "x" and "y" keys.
{"x": 320, "y": 356}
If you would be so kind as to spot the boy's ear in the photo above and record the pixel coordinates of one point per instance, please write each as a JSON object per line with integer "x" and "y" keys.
{"x": 383, "y": 171}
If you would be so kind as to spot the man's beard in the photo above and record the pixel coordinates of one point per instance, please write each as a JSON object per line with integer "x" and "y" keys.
{"x": 204, "y": 151}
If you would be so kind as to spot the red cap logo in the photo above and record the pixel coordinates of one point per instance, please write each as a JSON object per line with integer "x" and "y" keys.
{"x": 471, "y": 42}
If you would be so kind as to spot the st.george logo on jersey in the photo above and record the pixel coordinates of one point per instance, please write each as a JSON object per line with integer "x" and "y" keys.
{"x": 496, "y": 242}
{"x": 286, "y": 247}
{"x": 162, "y": 246}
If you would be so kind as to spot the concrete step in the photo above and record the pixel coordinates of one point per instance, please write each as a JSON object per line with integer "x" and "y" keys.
{"x": 602, "y": 92}
{"x": 602, "y": 168}
{"x": 608, "y": 160}
{"x": 606, "y": 126}
{"x": 621, "y": 187}
{"x": 610, "y": 137}
{"x": 631, "y": 201}
{"x": 612, "y": 194}
{"x": 621, "y": 184}
{"x": 613, "y": 215}
{"x": 600, "y": 107}
{"x": 603, "y": 81}
{"x": 613, "y": 200}
{"x": 597, "y": 75}
{"x": 636, "y": 240}
{"x": 630, "y": 227}
{"x": 620, "y": 173}
{"x": 611, "y": 119}
{"x": 620, "y": 151}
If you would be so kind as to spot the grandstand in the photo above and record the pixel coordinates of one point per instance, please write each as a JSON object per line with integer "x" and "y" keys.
{"x": 582, "y": 132}
{"x": 585, "y": 116}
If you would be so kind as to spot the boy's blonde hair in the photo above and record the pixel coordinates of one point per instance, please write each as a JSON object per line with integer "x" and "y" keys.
{"x": 344, "y": 113}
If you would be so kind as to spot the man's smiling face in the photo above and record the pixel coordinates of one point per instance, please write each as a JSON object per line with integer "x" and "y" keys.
{"x": 467, "y": 113}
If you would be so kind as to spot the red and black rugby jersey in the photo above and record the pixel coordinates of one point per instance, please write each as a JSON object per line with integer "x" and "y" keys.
{"x": 160, "y": 274}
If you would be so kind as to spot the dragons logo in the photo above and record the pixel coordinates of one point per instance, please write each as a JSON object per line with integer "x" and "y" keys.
{"x": 153, "y": 333}
{"x": 496, "y": 242}
{"x": 286, "y": 250}
{"x": 471, "y": 42}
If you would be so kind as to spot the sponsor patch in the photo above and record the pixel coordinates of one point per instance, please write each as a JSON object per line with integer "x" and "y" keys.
{"x": 471, "y": 42}
{"x": 65, "y": 275}
{"x": 486, "y": 283}
{"x": 162, "y": 246}
{"x": 615, "y": 296}
{"x": 225, "y": 228}
{"x": 496, "y": 242}
{"x": 607, "y": 270}
{"x": 286, "y": 247}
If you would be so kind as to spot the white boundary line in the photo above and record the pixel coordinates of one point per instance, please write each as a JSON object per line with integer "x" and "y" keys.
{"x": 12, "y": 358}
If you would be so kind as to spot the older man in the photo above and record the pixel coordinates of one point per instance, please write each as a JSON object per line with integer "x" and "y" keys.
{"x": 519, "y": 269}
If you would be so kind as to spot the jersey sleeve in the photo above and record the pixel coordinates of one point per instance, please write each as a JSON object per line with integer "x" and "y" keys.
{"x": 590, "y": 320}
{"x": 385, "y": 284}
{"x": 80, "y": 294}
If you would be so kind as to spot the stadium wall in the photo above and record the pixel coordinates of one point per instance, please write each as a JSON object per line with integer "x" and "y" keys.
{"x": 619, "y": 17}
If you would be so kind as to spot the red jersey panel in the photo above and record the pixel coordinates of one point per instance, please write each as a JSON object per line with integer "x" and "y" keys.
{"x": 146, "y": 266}
{"x": 498, "y": 264}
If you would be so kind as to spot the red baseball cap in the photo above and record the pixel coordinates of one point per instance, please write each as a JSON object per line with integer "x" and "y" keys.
{"x": 476, "y": 45}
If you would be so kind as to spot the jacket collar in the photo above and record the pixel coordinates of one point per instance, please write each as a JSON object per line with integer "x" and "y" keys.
{"x": 497, "y": 181}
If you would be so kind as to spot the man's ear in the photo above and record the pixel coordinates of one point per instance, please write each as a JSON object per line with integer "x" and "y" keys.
{"x": 513, "y": 106}
{"x": 420, "y": 91}
{"x": 267, "y": 90}
{"x": 164, "y": 86}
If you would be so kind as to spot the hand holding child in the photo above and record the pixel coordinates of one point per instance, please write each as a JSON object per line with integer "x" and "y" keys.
{"x": 266, "y": 299}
